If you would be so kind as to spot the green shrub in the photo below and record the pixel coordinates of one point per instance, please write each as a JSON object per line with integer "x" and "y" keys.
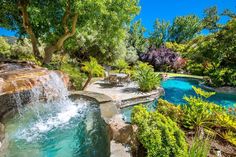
{"x": 4, "y": 48}
{"x": 199, "y": 113}
{"x": 222, "y": 77}
{"x": 121, "y": 65}
{"x": 146, "y": 77}
{"x": 76, "y": 77}
{"x": 199, "y": 147}
{"x": 170, "y": 110}
{"x": 92, "y": 68}
{"x": 227, "y": 123}
{"x": 159, "y": 135}
{"x": 195, "y": 69}
{"x": 230, "y": 136}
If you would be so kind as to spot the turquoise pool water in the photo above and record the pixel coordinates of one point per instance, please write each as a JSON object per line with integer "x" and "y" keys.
{"x": 58, "y": 129}
{"x": 176, "y": 89}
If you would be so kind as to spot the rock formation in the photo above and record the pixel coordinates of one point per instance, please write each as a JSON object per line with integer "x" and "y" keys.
{"x": 22, "y": 83}
{"x": 124, "y": 133}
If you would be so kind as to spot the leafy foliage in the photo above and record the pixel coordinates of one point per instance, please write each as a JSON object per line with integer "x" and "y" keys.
{"x": 230, "y": 136}
{"x": 199, "y": 113}
{"x": 146, "y": 77}
{"x": 176, "y": 47}
{"x": 131, "y": 55}
{"x": 76, "y": 77}
{"x": 170, "y": 110}
{"x": 136, "y": 37}
{"x": 159, "y": 134}
{"x": 4, "y": 46}
{"x": 211, "y": 19}
{"x": 121, "y": 65}
{"x": 162, "y": 59}
{"x": 93, "y": 68}
{"x": 160, "y": 34}
{"x": 200, "y": 147}
{"x": 99, "y": 24}
{"x": 216, "y": 53}
{"x": 185, "y": 28}
{"x": 203, "y": 93}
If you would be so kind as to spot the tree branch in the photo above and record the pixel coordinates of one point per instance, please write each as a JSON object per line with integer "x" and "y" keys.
{"x": 28, "y": 29}
{"x": 65, "y": 17}
{"x": 53, "y": 48}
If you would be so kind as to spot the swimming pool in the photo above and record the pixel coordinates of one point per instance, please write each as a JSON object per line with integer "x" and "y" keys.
{"x": 178, "y": 87}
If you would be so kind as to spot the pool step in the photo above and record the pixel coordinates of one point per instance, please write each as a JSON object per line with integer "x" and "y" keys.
{"x": 138, "y": 100}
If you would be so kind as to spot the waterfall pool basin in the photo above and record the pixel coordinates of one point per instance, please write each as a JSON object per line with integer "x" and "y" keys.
{"x": 178, "y": 87}
{"x": 62, "y": 128}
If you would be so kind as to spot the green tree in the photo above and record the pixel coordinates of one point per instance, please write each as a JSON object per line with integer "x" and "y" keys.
{"x": 229, "y": 13}
{"x": 136, "y": 37}
{"x": 211, "y": 19}
{"x": 61, "y": 20}
{"x": 160, "y": 34}
{"x": 216, "y": 52}
{"x": 185, "y": 28}
{"x": 93, "y": 68}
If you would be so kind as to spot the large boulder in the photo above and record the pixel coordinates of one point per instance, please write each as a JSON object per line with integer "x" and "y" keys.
{"x": 123, "y": 133}
{"x": 22, "y": 83}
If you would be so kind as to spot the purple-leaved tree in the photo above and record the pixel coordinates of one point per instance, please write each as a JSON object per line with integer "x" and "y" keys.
{"x": 162, "y": 59}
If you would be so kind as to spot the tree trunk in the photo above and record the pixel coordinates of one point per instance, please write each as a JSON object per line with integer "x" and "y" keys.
{"x": 49, "y": 50}
{"x": 87, "y": 82}
{"x": 28, "y": 28}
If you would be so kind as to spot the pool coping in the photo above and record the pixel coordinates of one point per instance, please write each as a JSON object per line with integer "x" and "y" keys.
{"x": 107, "y": 106}
{"x": 108, "y": 111}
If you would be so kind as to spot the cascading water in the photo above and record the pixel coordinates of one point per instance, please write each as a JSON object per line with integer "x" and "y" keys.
{"x": 57, "y": 126}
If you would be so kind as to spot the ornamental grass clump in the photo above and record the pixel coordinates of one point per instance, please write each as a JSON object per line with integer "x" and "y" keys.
{"x": 200, "y": 147}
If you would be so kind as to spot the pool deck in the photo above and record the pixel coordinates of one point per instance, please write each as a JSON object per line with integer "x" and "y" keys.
{"x": 181, "y": 75}
{"x": 124, "y": 95}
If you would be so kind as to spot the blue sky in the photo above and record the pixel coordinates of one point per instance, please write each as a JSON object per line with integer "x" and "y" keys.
{"x": 169, "y": 9}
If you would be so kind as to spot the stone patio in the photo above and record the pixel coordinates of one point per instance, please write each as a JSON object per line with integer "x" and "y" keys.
{"x": 126, "y": 94}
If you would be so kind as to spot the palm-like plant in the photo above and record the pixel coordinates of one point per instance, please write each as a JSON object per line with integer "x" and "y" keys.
{"x": 93, "y": 68}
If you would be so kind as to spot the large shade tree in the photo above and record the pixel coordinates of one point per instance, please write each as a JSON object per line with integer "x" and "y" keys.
{"x": 211, "y": 19}
{"x": 217, "y": 53}
{"x": 136, "y": 37}
{"x": 185, "y": 28}
{"x": 54, "y": 22}
{"x": 160, "y": 33}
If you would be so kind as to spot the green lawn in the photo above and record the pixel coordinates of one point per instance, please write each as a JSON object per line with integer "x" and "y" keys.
{"x": 181, "y": 75}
